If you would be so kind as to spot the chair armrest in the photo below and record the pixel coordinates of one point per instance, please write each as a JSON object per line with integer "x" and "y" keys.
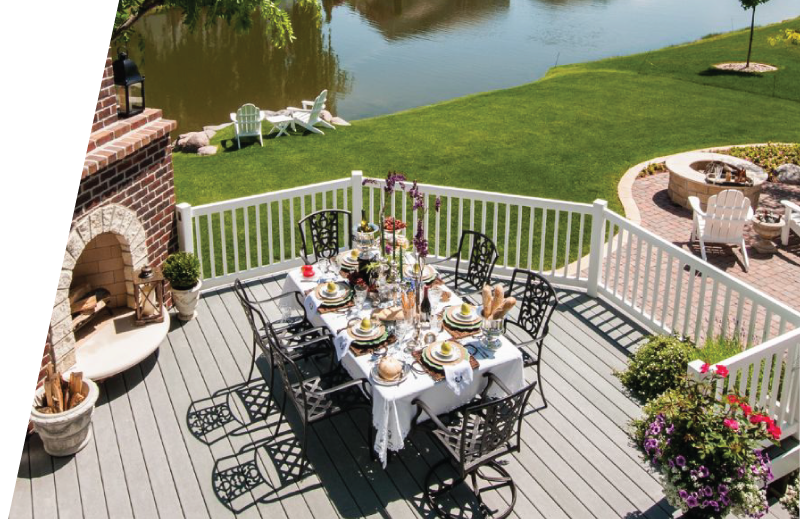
{"x": 303, "y": 345}
{"x": 319, "y": 329}
{"x": 493, "y": 380}
{"x": 275, "y": 298}
{"x": 422, "y": 406}
{"x": 233, "y": 117}
{"x": 750, "y": 214}
{"x": 695, "y": 203}
{"x": 295, "y": 109}
{"x": 791, "y": 207}
{"x": 352, "y": 383}
{"x": 533, "y": 340}
{"x": 307, "y": 104}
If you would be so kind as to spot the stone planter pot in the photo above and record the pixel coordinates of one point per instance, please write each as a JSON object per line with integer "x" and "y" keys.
{"x": 185, "y": 301}
{"x": 766, "y": 233}
{"x": 66, "y": 433}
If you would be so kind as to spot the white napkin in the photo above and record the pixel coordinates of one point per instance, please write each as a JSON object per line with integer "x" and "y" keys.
{"x": 342, "y": 344}
{"x": 312, "y": 302}
{"x": 458, "y": 376}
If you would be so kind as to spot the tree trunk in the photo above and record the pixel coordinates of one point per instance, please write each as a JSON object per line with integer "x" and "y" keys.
{"x": 750, "y": 47}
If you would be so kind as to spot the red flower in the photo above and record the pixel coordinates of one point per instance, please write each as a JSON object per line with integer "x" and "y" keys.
{"x": 775, "y": 431}
{"x": 722, "y": 371}
{"x": 732, "y": 424}
{"x": 755, "y": 418}
{"x": 732, "y": 399}
{"x": 746, "y": 408}
{"x": 704, "y": 368}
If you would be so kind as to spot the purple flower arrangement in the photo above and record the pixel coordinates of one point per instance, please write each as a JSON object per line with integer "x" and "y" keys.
{"x": 705, "y": 464}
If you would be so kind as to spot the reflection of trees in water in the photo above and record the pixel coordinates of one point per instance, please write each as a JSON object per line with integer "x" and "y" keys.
{"x": 200, "y": 77}
{"x": 398, "y": 19}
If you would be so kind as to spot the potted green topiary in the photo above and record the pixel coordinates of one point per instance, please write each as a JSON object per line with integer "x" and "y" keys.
{"x": 182, "y": 270}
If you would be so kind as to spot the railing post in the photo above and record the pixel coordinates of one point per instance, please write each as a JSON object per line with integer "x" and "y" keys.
{"x": 183, "y": 213}
{"x": 355, "y": 181}
{"x": 596, "y": 245}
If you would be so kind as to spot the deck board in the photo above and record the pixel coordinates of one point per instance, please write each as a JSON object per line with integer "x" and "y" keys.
{"x": 145, "y": 461}
{"x": 21, "y": 504}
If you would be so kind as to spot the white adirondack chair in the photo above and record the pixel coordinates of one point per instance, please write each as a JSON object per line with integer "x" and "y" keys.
{"x": 791, "y": 218}
{"x": 722, "y": 222}
{"x": 308, "y": 116}
{"x": 247, "y": 123}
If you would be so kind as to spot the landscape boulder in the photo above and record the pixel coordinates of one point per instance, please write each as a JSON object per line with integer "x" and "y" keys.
{"x": 788, "y": 174}
{"x": 326, "y": 116}
{"x": 193, "y": 141}
{"x": 338, "y": 121}
{"x": 207, "y": 150}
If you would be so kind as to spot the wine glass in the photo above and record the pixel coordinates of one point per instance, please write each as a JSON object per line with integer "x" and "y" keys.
{"x": 435, "y": 296}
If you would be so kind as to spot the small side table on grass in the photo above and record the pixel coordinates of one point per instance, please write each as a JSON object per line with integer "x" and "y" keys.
{"x": 280, "y": 123}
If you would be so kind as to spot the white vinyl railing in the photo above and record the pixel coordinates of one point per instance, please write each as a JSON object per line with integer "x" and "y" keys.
{"x": 587, "y": 246}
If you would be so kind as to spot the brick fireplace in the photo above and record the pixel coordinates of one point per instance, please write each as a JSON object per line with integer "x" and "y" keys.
{"x": 123, "y": 217}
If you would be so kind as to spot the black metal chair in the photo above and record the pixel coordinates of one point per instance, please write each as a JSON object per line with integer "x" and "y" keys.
{"x": 302, "y": 339}
{"x": 324, "y": 228}
{"x": 483, "y": 256}
{"x": 479, "y": 434}
{"x": 316, "y": 398}
{"x": 537, "y": 301}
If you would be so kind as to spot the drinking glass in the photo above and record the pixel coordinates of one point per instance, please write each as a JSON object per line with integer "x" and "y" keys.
{"x": 360, "y": 296}
{"x": 435, "y": 296}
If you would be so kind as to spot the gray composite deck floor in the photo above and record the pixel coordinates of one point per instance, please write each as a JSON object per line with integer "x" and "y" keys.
{"x": 146, "y": 461}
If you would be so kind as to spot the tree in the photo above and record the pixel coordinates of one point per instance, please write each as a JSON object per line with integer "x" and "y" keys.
{"x": 751, "y": 4}
{"x": 236, "y": 12}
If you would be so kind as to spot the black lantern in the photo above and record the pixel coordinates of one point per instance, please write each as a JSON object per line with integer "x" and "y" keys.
{"x": 148, "y": 294}
{"x": 129, "y": 84}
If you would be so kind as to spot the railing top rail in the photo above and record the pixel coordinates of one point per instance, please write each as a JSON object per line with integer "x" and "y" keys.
{"x": 270, "y": 196}
{"x": 746, "y": 357}
{"x": 767, "y": 301}
{"x": 491, "y": 196}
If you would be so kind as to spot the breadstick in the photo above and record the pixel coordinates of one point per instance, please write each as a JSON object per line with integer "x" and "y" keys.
{"x": 487, "y": 300}
{"x": 498, "y": 297}
{"x": 508, "y": 304}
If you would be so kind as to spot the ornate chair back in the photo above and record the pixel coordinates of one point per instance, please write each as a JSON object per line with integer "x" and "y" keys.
{"x": 482, "y": 259}
{"x": 537, "y": 301}
{"x": 256, "y": 319}
{"x": 324, "y": 230}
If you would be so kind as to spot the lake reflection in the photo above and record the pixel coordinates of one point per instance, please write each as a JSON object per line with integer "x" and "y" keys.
{"x": 381, "y": 56}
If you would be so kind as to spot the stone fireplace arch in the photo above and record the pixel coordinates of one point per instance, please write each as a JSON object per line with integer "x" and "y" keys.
{"x": 114, "y": 219}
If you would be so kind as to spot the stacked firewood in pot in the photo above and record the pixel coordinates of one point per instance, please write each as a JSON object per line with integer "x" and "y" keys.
{"x": 61, "y": 395}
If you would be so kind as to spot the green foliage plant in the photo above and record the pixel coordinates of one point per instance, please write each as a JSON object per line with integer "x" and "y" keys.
{"x": 657, "y": 366}
{"x": 787, "y": 36}
{"x": 237, "y": 13}
{"x": 182, "y": 270}
{"x": 770, "y": 156}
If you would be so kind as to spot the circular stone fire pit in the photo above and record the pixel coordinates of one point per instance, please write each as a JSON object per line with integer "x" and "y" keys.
{"x": 687, "y": 178}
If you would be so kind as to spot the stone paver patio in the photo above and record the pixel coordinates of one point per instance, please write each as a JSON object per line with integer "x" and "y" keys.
{"x": 777, "y": 275}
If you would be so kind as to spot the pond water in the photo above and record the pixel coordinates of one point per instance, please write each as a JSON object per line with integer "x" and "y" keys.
{"x": 382, "y": 56}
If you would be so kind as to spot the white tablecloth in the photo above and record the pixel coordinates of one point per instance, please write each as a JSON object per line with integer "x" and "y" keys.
{"x": 392, "y": 412}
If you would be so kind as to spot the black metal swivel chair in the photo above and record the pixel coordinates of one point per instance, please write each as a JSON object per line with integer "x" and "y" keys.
{"x": 316, "y": 398}
{"x": 483, "y": 256}
{"x": 302, "y": 338}
{"x": 481, "y": 432}
{"x": 537, "y": 301}
{"x": 325, "y": 232}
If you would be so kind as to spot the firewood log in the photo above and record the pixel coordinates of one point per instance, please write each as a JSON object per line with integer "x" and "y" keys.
{"x": 75, "y": 389}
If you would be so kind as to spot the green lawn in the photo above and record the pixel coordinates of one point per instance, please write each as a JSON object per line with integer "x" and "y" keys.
{"x": 569, "y": 136}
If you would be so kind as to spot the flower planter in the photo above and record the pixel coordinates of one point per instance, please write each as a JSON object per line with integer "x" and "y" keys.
{"x": 66, "y": 433}
{"x": 766, "y": 233}
{"x": 185, "y": 301}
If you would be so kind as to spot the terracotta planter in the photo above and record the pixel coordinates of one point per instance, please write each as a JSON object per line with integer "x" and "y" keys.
{"x": 766, "y": 233}
{"x": 185, "y": 301}
{"x": 66, "y": 433}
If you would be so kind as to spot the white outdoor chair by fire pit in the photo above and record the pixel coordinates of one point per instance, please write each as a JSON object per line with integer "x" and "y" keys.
{"x": 722, "y": 222}
{"x": 791, "y": 219}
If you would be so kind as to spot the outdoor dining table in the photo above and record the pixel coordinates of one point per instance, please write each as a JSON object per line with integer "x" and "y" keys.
{"x": 392, "y": 409}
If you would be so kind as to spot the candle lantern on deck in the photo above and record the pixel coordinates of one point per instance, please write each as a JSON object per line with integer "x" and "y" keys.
{"x": 129, "y": 84}
{"x": 148, "y": 293}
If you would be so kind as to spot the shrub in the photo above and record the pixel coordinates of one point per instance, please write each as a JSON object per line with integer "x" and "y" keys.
{"x": 791, "y": 499}
{"x": 770, "y": 156}
{"x": 657, "y": 366}
{"x": 707, "y": 451}
{"x": 182, "y": 270}
{"x": 720, "y": 348}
